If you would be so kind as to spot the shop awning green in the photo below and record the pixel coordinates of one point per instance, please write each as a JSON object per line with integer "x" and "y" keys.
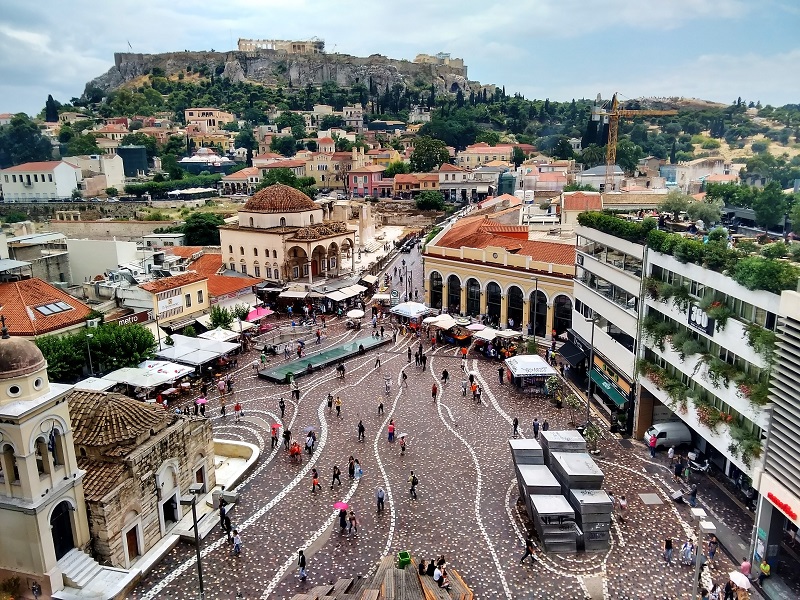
{"x": 609, "y": 390}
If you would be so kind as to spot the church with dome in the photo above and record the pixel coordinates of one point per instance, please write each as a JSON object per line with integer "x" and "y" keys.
{"x": 89, "y": 481}
{"x": 282, "y": 235}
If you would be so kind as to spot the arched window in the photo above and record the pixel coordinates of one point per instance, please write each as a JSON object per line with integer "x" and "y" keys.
{"x": 251, "y": 221}
{"x": 274, "y": 254}
{"x": 538, "y": 309}
{"x": 436, "y": 289}
{"x": 311, "y": 219}
{"x": 42, "y": 457}
{"x": 9, "y": 463}
{"x": 454, "y": 295}
{"x": 283, "y": 221}
{"x": 473, "y": 297}
{"x": 515, "y": 307}
{"x": 494, "y": 298}
{"x": 255, "y": 251}
{"x": 230, "y": 249}
{"x": 241, "y": 250}
{"x": 562, "y": 314}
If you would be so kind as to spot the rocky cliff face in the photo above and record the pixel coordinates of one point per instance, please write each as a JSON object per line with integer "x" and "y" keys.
{"x": 274, "y": 68}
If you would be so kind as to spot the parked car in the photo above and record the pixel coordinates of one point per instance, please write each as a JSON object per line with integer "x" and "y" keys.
{"x": 671, "y": 433}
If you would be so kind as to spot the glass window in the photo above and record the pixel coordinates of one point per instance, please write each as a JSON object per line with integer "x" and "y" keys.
{"x": 257, "y": 271}
{"x": 188, "y": 298}
{"x": 199, "y": 296}
{"x": 255, "y": 251}
{"x": 244, "y": 269}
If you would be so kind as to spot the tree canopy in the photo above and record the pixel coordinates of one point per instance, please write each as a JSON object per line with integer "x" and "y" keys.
{"x": 138, "y": 138}
{"x": 430, "y": 200}
{"x": 202, "y": 229}
{"x": 429, "y": 154}
{"x": 21, "y": 141}
{"x": 395, "y": 168}
{"x": 287, "y": 177}
{"x": 769, "y": 205}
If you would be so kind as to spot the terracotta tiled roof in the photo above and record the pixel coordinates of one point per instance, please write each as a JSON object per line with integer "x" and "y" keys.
{"x": 243, "y": 174}
{"x": 582, "y": 201}
{"x": 284, "y": 164}
{"x": 484, "y": 148}
{"x": 720, "y": 177}
{"x": 267, "y": 155}
{"x": 428, "y": 176}
{"x": 325, "y": 140}
{"x": 219, "y": 285}
{"x": 342, "y": 156}
{"x": 500, "y": 228}
{"x": 208, "y": 264}
{"x": 47, "y": 165}
{"x": 279, "y": 198}
{"x": 106, "y": 420}
{"x": 449, "y": 167}
{"x": 101, "y": 477}
{"x": 169, "y": 283}
{"x": 16, "y": 297}
{"x": 481, "y": 232}
{"x": 370, "y": 169}
{"x": 406, "y": 178}
{"x": 552, "y": 177}
{"x": 184, "y": 251}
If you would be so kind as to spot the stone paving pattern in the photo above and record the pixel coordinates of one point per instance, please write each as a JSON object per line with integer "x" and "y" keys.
{"x": 467, "y": 500}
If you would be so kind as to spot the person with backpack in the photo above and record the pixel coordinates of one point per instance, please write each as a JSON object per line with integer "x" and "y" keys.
{"x": 413, "y": 482}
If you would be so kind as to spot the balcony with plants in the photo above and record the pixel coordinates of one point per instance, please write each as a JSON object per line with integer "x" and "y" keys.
{"x": 729, "y": 431}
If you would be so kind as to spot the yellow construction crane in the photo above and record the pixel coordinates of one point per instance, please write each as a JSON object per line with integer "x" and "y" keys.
{"x": 611, "y": 113}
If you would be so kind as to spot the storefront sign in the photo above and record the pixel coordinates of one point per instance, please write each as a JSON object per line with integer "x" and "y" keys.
{"x": 140, "y": 317}
{"x": 612, "y": 374}
{"x": 700, "y": 320}
{"x": 783, "y": 506}
{"x": 395, "y": 297}
{"x": 168, "y": 304}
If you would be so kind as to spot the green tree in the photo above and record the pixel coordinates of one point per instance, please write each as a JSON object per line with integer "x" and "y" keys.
{"x": 246, "y": 139}
{"x": 118, "y": 346}
{"x": 708, "y": 212}
{"x": 592, "y": 156}
{"x": 430, "y": 200}
{"x": 488, "y": 136}
{"x": 176, "y": 145}
{"x": 240, "y": 311}
{"x": 343, "y": 145}
{"x": 331, "y": 122}
{"x": 628, "y": 155}
{"x": 220, "y": 317}
{"x": 770, "y": 205}
{"x": 517, "y": 156}
{"x": 51, "y": 110}
{"x": 189, "y": 331}
{"x": 283, "y": 145}
{"x": 21, "y": 142}
{"x": 169, "y": 163}
{"x": 15, "y": 216}
{"x": 562, "y": 149}
{"x": 395, "y": 168}
{"x": 141, "y": 139}
{"x": 83, "y": 144}
{"x": 202, "y": 229}
{"x": 580, "y": 187}
{"x": 287, "y": 177}
{"x": 231, "y": 126}
{"x": 675, "y": 203}
{"x": 65, "y": 357}
{"x": 428, "y": 154}
{"x": 112, "y": 192}
{"x": 292, "y": 120}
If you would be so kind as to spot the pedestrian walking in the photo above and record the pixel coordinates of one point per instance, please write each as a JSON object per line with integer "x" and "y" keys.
{"x": 352, "y": 524}
{"x": 301, "y": 564}
{"x": 330, "y": 403}
{"x": 413, "y": 481}
{"x": 390, "y": 429}
{"x": 713, "y": 544}
{"x": 671, "y": 455}
{"x": 351, "y": 468}
{"x": 296, "y": 391}
{"x": 501, "y": 373}
{"x": 434, "y": 391}
{"x": 693, "y": 495}
{"x": 337, "y": 474}
{"x": 380, "y": 407}
{"x": 237, "y": 544}
{"x": 315, "y": 481}
{"x": 545, "y": 425}
{"x": 464, "y": 351}
{"x": 536, "y": 428}
{"x": 403, "y": 379}
{"x": 319, "y": 336}
{"x": 378, "y": 361}
{"x": 668, "y": 550}
{"x": 409, "y": 354}
{"x": 282, "y": 406}
{"x": 403, "y": 446}
{"x": 478, "y": 394}
{"x": 387, "y": 385}
{"x": 529, "y": 548}
{"x": 237, "y": 411}
{"x": 676, "y": 474}
{"x": 515, "y": 424}
{"x": 417, "y": 359}
{"x": 445, "y": 377}
{"x": 424, "y": 361}
{"x": 221, "y": 386}
{"x": 274, "y": 431}
{"x": 464, "y": 388}
{"x": 338, "y": 407}
{"x": 382, "y": 330}
{"x": 287, "y": 438}
{"x": 380, "y": 496}
{"x": 623, "y": 508}
{"x": 652, "y": 443}
{"x": 360, "y": 431}
{"x": 222, "y": 405}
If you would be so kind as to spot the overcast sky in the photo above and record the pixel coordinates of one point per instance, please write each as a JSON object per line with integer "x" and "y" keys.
{"x": 561, "y": 49}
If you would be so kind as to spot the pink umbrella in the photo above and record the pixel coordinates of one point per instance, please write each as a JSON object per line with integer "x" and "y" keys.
{"x": 341, "y": 506}
{"x": 476, "y": 327}
{"x": 257, "y": 313}
{"x": 201, "y": 400}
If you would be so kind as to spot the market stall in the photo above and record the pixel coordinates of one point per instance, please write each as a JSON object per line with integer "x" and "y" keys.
{"x": 529, "y": 371}
{"x": 220, "y": 335}
{"x": 494, "y": 343}
{"x": 148, "y": 377}
{"x": 411, "y": 313}
{"x": 196, "y": 351}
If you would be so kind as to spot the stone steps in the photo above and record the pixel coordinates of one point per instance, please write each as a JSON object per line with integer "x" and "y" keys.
{"x": 78, "y": 568}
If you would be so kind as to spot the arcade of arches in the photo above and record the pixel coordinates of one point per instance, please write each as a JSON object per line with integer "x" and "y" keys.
{"x": 540, "y": 306}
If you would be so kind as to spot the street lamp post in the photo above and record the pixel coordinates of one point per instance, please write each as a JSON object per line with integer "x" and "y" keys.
{"x": 89, "y": 350}
{"x": 194, "y": 490}
{"x": 704, "y": 528}
{"x": 590, "y": 366}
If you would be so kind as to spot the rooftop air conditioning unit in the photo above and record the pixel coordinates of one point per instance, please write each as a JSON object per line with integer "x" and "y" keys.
{"x": 93, "y": 323}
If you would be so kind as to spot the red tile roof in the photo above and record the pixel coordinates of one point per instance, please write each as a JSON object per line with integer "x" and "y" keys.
{"x": 325, "y": 140}
{"x": 481, "y": 232}
{"x": 552, "y": 177}
{"x": 284, "y": 164}
{"x": 47, "y": 165}
{"x": 243, "y": 174}
{"x": 17, "y": 297}
{"x": 582, "y": 201}
{"x": 268, "y": 155}
{"x": 170, "y": 283}
{"x": 184, "y": 251}
{"x": 405, "y": 178}
{"x": 208, "y": 264}
{"x": 449, "y": 167}
{"x": 369, "y": 169}
{"x": 219, "y": 285}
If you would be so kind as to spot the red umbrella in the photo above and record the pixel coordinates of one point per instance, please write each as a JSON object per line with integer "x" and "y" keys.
{"x": 257, "y": 313}
{"x": 341, "y": 506}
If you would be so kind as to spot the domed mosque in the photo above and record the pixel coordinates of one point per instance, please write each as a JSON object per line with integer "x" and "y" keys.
{"x": 66, "y": 454}
{"x": 282, "y": 235}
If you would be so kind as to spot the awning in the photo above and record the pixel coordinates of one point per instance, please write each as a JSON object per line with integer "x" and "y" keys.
{"x": 529, "y": 365}
{"x": 487, "y": 334}
{"x": 410, "y": 309}
{"x": 381, "y": 297}
{"x": 370, "y": 279}
{"x": 293, "y": 294}
{"x": 180, "y": 323}
{"x": 508, "y": 334}
{"x": 613, "y": 393}
{"x": 205, "y": 321}
{"x": 358, "y": 288}
{"x": 337, "y": 296}
{"x": 219, "y": 334}
{"x": 94, "y": 384}
{"x": 572, "y": 354}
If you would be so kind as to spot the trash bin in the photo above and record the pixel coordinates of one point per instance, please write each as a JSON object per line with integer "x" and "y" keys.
{"x": 403, "y": 559}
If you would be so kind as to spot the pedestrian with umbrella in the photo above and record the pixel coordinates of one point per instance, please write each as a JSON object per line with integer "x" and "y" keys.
{"x": 201, "y": 402}
{"x": 342, "y": 508}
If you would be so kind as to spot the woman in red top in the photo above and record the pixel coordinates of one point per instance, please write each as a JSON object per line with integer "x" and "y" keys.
{"x": 434, "y": 391}
{"x": 391, "y": 430}
{"x": 237, "y": 410}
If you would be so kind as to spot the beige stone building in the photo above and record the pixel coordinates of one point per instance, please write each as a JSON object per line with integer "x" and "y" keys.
{"x": 282, "y": 235}
{"x": 480, "y": 266}
{"x": 179, "y": 300}
{"x": 207, "y": 120}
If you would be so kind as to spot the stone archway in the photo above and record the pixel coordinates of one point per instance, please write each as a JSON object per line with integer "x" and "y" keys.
{"x": 333, "y": 259}
{"x": 454, "y": 295}
{"x": 436, "y": 290}
{"x": 319, "y": 261}
{"x": 515, "y": 301}
{"x": 562, "y": 314}
{"x": 61, "y": 529}
{"x": 473, "y": 297}
{"x": 296, "y": 263}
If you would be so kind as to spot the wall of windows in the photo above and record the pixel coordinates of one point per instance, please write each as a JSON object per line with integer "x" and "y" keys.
{"x": 610, "y": 256}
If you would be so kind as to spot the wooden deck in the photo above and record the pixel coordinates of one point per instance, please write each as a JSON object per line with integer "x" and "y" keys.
{"x": 391, "y": 583}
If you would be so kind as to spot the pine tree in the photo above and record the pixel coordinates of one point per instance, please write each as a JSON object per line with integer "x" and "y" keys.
{"x": 672, "y": 152}
{"x": 50, "y": 110}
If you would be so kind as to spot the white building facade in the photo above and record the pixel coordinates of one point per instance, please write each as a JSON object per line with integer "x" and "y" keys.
{"x": 40, "y": 181}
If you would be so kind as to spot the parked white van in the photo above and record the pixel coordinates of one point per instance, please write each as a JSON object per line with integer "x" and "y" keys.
{"x": 671, "y": 433}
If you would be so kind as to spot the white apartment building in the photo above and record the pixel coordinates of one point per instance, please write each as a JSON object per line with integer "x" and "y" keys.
{"x": 99, "y": 171}
{"x": 608, "y": 274}
{"x": 354, "y": 117}
{"x": 40, "y": 181}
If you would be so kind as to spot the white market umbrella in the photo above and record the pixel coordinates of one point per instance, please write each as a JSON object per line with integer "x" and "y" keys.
{"x": 355, "y": 314}
{"x": 740, "y": 579}
{"x": 410, "y": 309}
{"x": 428, "y": 320}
